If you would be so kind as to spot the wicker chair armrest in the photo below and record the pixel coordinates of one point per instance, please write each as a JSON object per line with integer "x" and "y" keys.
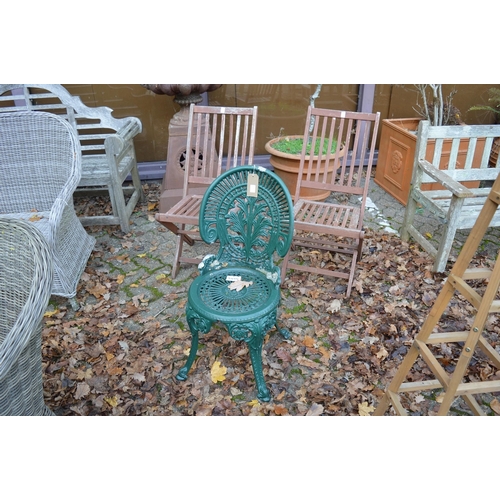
{"x": 31, "y": 313}
{"x": 19, "y": 336}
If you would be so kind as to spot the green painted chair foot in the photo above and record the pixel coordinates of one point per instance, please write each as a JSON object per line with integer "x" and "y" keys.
{"x": 182, "y": 374}
{"x": 284, "y": 332}
{"x": 264, "y": 395}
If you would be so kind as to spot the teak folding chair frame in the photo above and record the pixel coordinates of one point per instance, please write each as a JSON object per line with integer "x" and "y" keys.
{"x": 219, "y": 138}
{"x": 334, "y": 222}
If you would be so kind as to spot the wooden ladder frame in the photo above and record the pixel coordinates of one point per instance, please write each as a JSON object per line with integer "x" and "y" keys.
{"x": 456, "y": 282}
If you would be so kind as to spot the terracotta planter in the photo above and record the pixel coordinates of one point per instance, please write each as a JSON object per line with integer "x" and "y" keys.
{"x": 398, "y": 142}
{"x": 286, "y": 166}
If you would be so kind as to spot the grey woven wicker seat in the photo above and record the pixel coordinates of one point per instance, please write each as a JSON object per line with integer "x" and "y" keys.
{"x": 25, "y": 284}
{"x": 40, "y": 167}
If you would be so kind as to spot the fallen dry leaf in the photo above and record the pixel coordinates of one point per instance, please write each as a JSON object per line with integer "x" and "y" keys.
{"x": 315, "y": 410}
{"x": 364, "y": 409}
{"x": 334, "y": 306}
{"x": 49, "y": 314}
{"x": 495, "y": 406}
{"x": 239, "y": 285}
{"x": 308, "y": 341}
{"x": 82, "y": 390}
{"x": 218, "y": 372}
{"x": 280, "y": 410}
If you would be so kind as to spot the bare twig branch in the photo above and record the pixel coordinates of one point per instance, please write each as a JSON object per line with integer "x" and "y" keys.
{"x": 312, "y": 99}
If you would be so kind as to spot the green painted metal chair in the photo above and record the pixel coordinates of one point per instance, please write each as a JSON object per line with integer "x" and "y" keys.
{"x": 249, "y": 211}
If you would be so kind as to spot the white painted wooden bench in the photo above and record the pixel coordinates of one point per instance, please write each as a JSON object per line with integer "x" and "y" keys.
{"x": 108, "y": 153}
{"x": 455, "y": 204}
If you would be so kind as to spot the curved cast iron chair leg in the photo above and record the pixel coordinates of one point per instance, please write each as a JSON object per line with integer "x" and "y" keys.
{"x": 284, "y": 332}
{"x": 183, "y": 372}
{"x": 255, "y": 348}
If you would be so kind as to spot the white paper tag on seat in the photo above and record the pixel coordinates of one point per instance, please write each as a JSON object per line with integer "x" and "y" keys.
{"x": 233, "y": 278}
{"x": 253, "y": 185}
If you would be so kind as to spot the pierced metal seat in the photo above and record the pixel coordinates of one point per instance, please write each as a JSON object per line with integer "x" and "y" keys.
{"x": 25, "y": 285}
{"x": 239, "y": 287}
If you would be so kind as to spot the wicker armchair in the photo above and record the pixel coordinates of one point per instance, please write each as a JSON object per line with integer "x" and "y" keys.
{"x": 25, "y": 284}
{"x": 40, "y": 167}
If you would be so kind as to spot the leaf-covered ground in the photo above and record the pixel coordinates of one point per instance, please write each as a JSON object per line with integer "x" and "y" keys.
{"x": 118, "y": 354}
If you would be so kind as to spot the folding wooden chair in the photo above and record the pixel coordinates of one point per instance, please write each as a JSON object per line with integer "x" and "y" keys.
{"x": 335, "y": 225}
{"x": 219, "y": 138}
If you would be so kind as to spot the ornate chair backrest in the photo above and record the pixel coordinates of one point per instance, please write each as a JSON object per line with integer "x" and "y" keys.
{"x": 249, "y": 228}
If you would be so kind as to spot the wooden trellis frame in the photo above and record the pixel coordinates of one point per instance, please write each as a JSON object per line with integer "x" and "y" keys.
{"x": 453, "y": 384}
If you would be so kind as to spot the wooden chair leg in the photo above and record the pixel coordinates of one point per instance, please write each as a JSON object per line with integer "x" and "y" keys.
{"x": 179, "y": 247}
{"x": 136, "y": 182}
{"x": 409, "y": 216}
{"x": 351, "y": 276}
{"x": 448, "y": 237}
{"x": 284, "y": 267}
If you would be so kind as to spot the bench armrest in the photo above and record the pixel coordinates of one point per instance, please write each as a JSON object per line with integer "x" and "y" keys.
{"x": 456, "y": 188}
{"x": 131, "y": 129}
{"x": 118, "y": 141}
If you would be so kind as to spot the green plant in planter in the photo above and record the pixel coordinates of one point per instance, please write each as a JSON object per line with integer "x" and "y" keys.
{"x": 293, "y": 145}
